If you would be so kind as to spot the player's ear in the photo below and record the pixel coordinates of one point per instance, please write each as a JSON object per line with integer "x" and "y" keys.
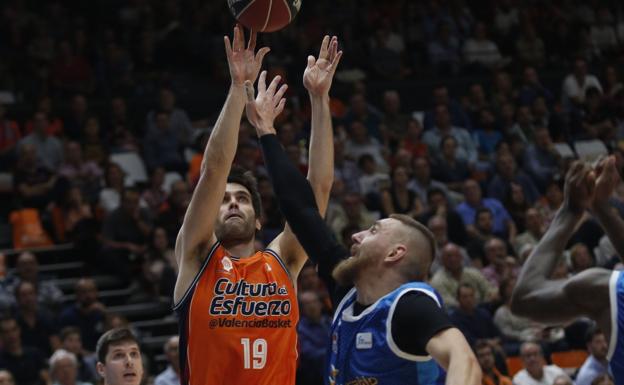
{"x": 99, "y": 367}
{"x": 396, "y": 253}
{"x": 258, "y": 224}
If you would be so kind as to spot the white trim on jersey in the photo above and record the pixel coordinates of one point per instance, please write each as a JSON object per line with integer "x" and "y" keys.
{"x": 197, "y": 277}
{"x": 614, "y": 313}
{"x": 342, "y": 303}
{"x": 391, "y": 344}
{"x": 347, "y": 314}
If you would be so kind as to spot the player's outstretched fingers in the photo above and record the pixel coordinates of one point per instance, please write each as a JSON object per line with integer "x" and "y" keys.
{"x": 280, "y": 107}
{"x": 273, "y": 86}
{"x": 262, "y": 83}
{"x": 324, "y": 48}
{"x": 280, "y": 94}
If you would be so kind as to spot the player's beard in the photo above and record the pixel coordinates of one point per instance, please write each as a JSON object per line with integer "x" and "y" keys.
{"x": 231, "y": 233}
{"x": 347, "y": 271}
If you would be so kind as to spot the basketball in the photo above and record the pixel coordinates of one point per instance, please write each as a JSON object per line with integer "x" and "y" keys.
{"x": 264, "y": 15}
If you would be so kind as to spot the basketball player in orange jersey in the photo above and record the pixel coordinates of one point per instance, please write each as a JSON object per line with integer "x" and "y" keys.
{"x": 238, "y": 309}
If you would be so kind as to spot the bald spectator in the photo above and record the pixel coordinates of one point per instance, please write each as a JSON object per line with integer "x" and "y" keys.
{"x": 64, "y": 369}
{"x": 438, "y": 226}
{"x": 466, "y": 147}
{"x": 49, "y": 296}
{"x": 87, "y": 313}
{"x": 171, "y": 375}
{"x": 178, "y": 119}
{"x": 48, "y": 148}
{"x": 596, "y": 364}
{"x": 503, "y": 224}
{"x": 448, "y": 279}
{"x": 535, "y": 371}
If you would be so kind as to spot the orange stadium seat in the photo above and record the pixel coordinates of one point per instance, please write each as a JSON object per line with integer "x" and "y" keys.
{"x": 514, "y": 365}
{"x": 569, "y": 359}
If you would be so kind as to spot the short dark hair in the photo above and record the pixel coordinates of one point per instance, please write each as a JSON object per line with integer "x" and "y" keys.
{"x": 591, "y": 333}
{"x": 481, "y": 344}
{"x": 482, "y": 210}
{"x": 113, "y": 337}
{"x": 435, "y": 191}
{"x": 68, "y": 331}
{"x": 465, "y": 286}
{"x": 21, "y": 283}
{"x": 246, "y": 179}
{"x": 365, "y": 158}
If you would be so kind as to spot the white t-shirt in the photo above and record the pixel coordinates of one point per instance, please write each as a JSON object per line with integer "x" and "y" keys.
{"x": 572, "y": 88}
{"x": 550, "y": 373}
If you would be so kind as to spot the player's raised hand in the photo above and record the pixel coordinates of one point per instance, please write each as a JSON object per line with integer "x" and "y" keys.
{"x": 244, "y": 63}
{"x": 607, "y": 179}
{"x": 580, "y": 185}
{"x": 319, "y": 73}
{"x": 267, "y": 105}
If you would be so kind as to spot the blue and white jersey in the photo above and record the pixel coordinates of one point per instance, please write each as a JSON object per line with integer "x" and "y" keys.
{"x": 363, "y": 351}
{"x": 616, "y": 343}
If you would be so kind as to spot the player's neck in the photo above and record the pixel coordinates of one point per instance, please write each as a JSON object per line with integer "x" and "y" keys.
{"x": 371, "y": 288}
{"x": 241, "y": 249}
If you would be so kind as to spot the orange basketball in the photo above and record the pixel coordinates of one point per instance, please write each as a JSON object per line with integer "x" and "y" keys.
{"x": 264, "y": 15}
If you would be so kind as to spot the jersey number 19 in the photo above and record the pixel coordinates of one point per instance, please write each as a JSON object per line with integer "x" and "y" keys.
{"x": 255, "y": 353}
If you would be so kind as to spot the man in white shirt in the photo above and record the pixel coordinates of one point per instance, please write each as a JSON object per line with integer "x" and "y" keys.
{"x": 171, "y": 375}
{"x": 576, "y": 83}
{"x": 535, "y": 371}
{"x": 596, "y": 364}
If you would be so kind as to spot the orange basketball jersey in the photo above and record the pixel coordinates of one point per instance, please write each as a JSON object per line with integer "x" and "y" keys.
{"x": 238, "y": 322}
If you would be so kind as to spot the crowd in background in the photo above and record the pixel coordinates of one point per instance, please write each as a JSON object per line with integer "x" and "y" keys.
{"x": 480, "y": 164}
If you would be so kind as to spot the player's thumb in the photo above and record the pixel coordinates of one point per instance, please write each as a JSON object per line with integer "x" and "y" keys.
{"x": 311, "y": 61}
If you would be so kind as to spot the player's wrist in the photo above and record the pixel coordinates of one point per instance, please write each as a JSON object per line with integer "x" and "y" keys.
{"x": 320, "y": 97}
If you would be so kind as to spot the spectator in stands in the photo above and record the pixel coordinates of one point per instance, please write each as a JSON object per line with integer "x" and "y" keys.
{"x": 534, "y": 229}
{"x": 516, "y": 204}
{"x": 87, "y": 313}
{"x": 371, "y": 180}
{"x": 6, "y": 378}
{"x": 447, "y": 280}
{"x": 595, "y": 120}
{"x": 438, "y": 205}
{"x": 503, "y": 224}
{"x": 119, "y": 358}
{"x": 563, "y": 380}
{"x": 541, "y": 160}
{"x": 501, "y": 265}
{"x": 27, "y": 364}
{"x": 9, "y": 137}
{"x": 532, "y": 88}
{"x": 161, "y": 147}
{"x": 553, "y": 198}
{"x": 171, "y": 375}
{"x": 481, "y": 52}
{"x": 353, "y": 213}
{"x": 485, "y": 355}
{"x": 313, "y": 329}
{"x": 443, "y": 51}
{"x": 49, "y": 296}
{"x": 466, "y": 148}
{"x": 73, "y": 218}
{"x": 345, "y": 168}
{"x": 172, "y": 213}
{"x": 580, "y": 258}
{"x": 393, "y": 119}
{"x": 110, "y": 195}
{"x": 535, "y": 370}
{"x": 530, "y": 48}
{"x": 48, "y": 148}
{"x": 483, "y": 231}
{"x": 488, "y": 134}
{"x": 474, "y": 322}
{"x": 576, "y": 84}
{"x": 524, "y": 126}
{"x": 543, "y": 116}
{"x": 92, "y": 141}
{"x": 360, "y": 143}
{"x": 514, "y": 329}
{"x": 64, "y": 369}
{"x": 34, "y": 184}
{"x": 422, "y": 182}
{"x": 398, "y": 198}
{"x": 439, "y": 96}
{"x": 38, "y": 326}
{"x": 603, "y": 379}
{"x": 71, "y": 72}
{"x": 450, "y": 169}
{"x": 82, "y": 173}
{"x": 412, "y": 140}
{"x": 596, "y": 364}
{"x": 178, "y": 119}
{"x": 439, "y": 228}
{"x": 72, "y": 342}
{"x": 124, "y": 234}
{"x": 507, "y": 173}
{"x": 602, "y": 33}
{"x": 154, "y": 196}
{"x": 364, "y": 113}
